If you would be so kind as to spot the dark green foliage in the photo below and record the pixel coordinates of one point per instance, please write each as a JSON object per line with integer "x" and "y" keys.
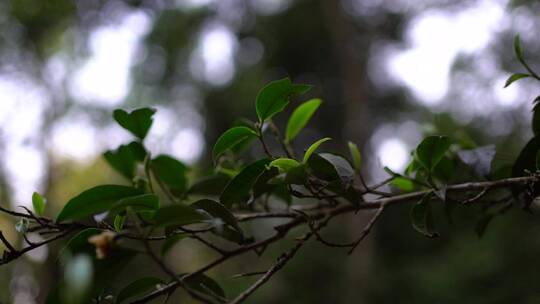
{"x": 95, "y": 200}
{"x": 238, "y": 189}
{"x": 138, "y": 287}
{"x": 422, "y": 217}
{"x": 170, "y": 172}
{"x": 163, "y": 205}
{"x": 274, "y": 97}
{"x": 177, "y": 215}
{"x": 230, "y": 139}
{"x": 431, "y": 150}
{"x": 125, "y": 158}
{"x": 138, "y": 122}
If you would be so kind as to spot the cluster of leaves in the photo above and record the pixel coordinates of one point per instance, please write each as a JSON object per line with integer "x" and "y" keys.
{"x": 162, "y": 206}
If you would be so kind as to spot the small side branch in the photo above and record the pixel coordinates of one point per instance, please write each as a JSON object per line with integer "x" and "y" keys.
{"x": 367, "y": 228}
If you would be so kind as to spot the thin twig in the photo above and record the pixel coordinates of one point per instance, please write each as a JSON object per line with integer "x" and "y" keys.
{"x": 282, "y": 261}
{"x": 367, "y": 228}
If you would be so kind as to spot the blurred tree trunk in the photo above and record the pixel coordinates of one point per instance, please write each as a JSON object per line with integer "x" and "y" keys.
{"x": 351, "y": 51}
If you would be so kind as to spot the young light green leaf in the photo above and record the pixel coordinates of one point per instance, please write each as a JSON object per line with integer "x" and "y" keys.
{"x": 119, "y": 222}
{"x": 300, "y": 117}
{"x": 403, "y": 184}
{"x": 422, "y": 217}
{"x": 431, "y": 150}
{"x": 38, "y": 202}
{"x": 284, "y": 164}
{"x": 178, "y": 214}
{"x": 95, "y": 200}
{"x": 515, "y": 77}
{"x": 238, "y": 189}
{"x": 138, "y": 122}
{"x": 356, "y": 156}
{"x": 314, "y": 147}
{"x": 274, "y": 97}
{"x": 171, "y": 172}
{"x": 230, "y": 139}
{"x": 138, "y": 287}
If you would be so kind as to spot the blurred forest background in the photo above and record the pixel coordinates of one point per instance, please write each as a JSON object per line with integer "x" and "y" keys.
{"x": 389, "y": 72}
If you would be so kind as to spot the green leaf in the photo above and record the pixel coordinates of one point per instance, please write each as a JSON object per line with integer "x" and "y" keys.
{"x": 179, "y": 215}
{"x": 205, "y": 284}
{"x": 356, "y": 156}
{"x": 119, "y": 222}
{"x": 170, "y": 172}
{"x": 422, "y": 217}
{"x": 95, "y": 200}
{"x": 143, "y": 202}
{"x": 296, "y": 176}
{"x": 274, "y": 97}
{"x": 238, "y": 189}
{"x": 518, "y": 50}
{"x": 444, "y": 170}
{"x": 314, "y": 147}
{"x": 431, "y": 150}
{"x": 300, "y": 117}
{"x": 38, "y": 202}
{"x": 264, "y": 184}
{"x": 125, "y": 158}
{"x": 284, "y": 164}
{"x": 231, "y": 138}
{"x": 138, "y": 287}
{"x": 526, "y": 160}
{"x": 523, "y": 166}
{"x": 138, "y": 122}
{"x": 79, "y": 243}
{"x": 341, "y": 165}
{"x": 403, "y": 184}
{"x": 330, "y": 167}
{"x": 211, "y": 185}
{"x": 322, "y": 168}
{"x": 216, "y": 210}
{"x": 515, "y": 77}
